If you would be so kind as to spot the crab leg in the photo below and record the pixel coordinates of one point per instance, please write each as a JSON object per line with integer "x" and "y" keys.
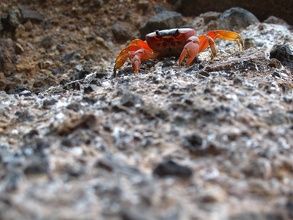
{"x": 208, "y": 39}
{"x": 136, "y": 51}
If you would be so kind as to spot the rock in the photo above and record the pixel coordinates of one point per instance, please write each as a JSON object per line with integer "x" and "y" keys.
{"x": 122, "y": 32}
{"x": 284, "y": 54}
{"x": 162, "y": 20}
{"x": 36, "y": 166}
{"x": 275, "y": 20}
{"x": 28, "y": 14}
{"x": 48, "y": 103}
{"x": 261, "y": 9}
{"x": 236, "y": 19}
{"x": 75, "y": 123}
{"x": 25, "y": 115}
{"x": 137, "y": 213}
{"x": 68, "y": 57}
{"x": 13, "y": 18}
{"x": 212, "y": 195}
{"x": 171, "y": 168}
{"x": 131, "y": 100}
{"x": 276, "y": 118}
{"x": 47, "y": 42}
{"x": 7, "y": 52}
{"x": 195, "y": 144}
{"x": 259, "y": 168}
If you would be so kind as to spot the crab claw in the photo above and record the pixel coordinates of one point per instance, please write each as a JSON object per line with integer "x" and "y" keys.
{"x": 136, "y": 51}
{"x": 190, "y": 50}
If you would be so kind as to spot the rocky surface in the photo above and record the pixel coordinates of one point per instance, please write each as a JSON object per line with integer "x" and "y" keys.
{"x": 209, "y": 141}
{"x": 261, "y": 9}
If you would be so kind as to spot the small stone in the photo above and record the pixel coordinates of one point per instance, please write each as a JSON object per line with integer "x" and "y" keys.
{"x": 36, "y": 166}
{"x": 105, "y": 165}
{"x": 213, "y": 195}
{"x": 237, "y": 82}
{"x": 284, "y": 54}
{"x": 171, "y": 168}
{"x": 275, "y": 20}
{"x": 18, "y": 48}
{"x": 276, "y": 118}
{"x": 131, "y": 100}
{"x": 75, "y": 123}
{"x": 236, "y": 19}
{"x": 249, "y": 43}
{"x": 13, "y": 18}
{"x": 210, "y": 16}
{"x": 48, "y": 103}
{"x": 275, "y": 63}
{"x": 204, "y": 73}
{"x": 122, "y": 32}
{"x": 23, "y": 116}
{"x": 193, "y": 142}
{"x": 47, "y": 42}
{"x": 68, "y": 57}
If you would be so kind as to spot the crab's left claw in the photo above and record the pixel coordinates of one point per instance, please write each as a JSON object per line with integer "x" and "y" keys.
{"x": 190, "y": 50}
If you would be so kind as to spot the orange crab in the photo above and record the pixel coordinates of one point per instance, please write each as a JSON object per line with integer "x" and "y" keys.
{"x": 173, "y": 42}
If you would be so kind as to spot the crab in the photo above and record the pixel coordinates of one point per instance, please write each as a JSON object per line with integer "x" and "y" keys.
{"x": 181, "y": 42}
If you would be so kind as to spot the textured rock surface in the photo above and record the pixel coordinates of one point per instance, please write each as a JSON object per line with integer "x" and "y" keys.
{"x": 208, "y": 141}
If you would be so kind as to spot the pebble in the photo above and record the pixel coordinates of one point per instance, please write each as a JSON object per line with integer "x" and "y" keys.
{"x": 87, "y": 121}
{"x": 171, "y": 168}
{"x": 23, "y": 116}
{"x": 36, "y": 165}
{"x": 122, "y": 32}
{"x": 131, "y": 100}
{"x": 47, "y": 42}
{"x": 284, "y": 54}
{"x": 48, "y": 103}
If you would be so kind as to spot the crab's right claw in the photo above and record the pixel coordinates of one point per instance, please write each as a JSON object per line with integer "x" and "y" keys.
{"x": 136, "y": 51}
{"x": 190, "y": 50}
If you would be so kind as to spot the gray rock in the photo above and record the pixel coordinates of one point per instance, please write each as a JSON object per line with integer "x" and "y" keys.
{"x": 13, "y": 18}
{"x": 284, "y": 54}
{"x": 261, "y": 9}
{"x": 163, "y": 20}
{"x": 122, "y": 32}
{"x": 28, "y": 14}
{"x": 236, "y": 19}
{"x": 171, "y": 168}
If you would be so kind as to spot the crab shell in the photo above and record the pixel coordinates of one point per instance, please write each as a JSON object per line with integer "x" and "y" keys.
{"x": 169, "y": 42}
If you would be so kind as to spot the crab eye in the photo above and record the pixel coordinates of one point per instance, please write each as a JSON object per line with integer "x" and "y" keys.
{"x": 176, "y": 33}
{"x": 158, "y": 34}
